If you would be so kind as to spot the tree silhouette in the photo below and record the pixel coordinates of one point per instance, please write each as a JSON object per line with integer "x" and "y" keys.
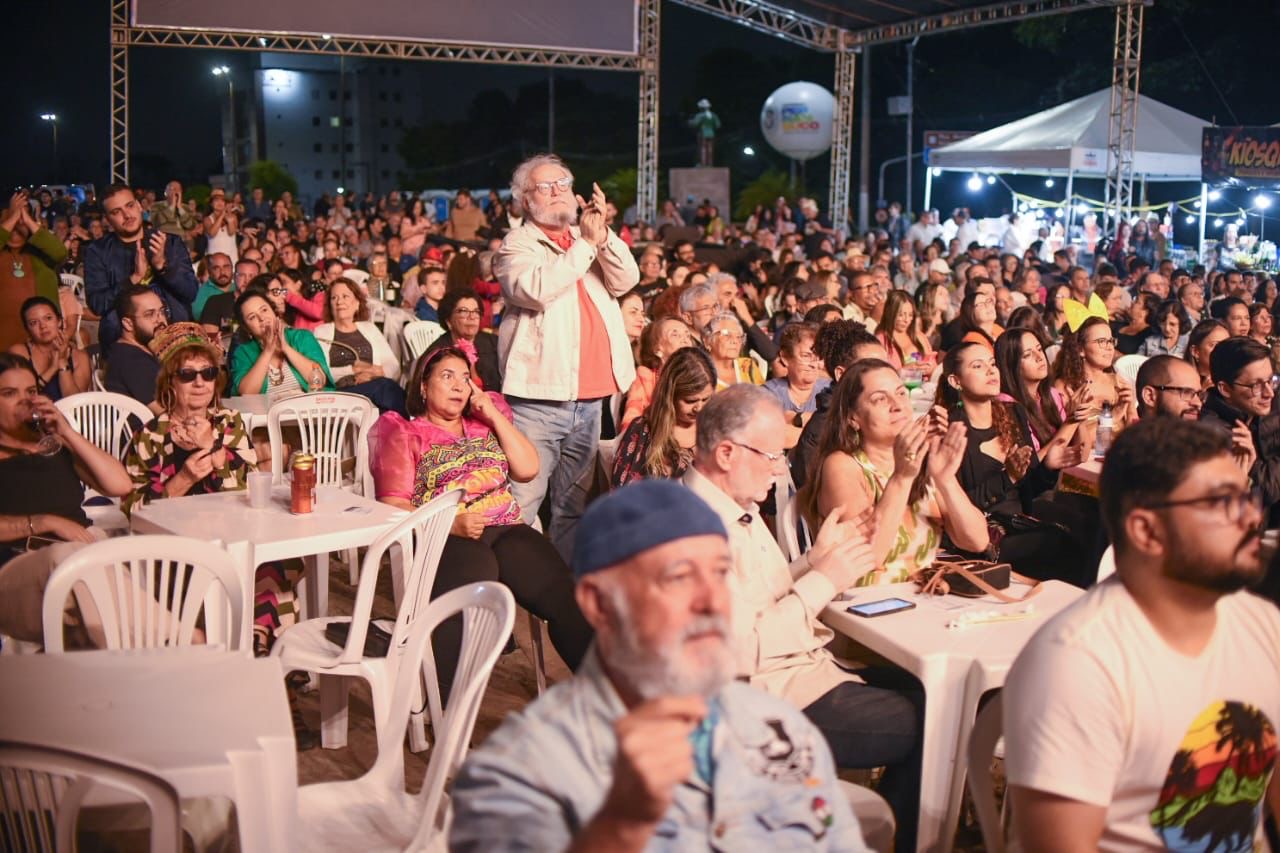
{"x": 1243, "y": 729}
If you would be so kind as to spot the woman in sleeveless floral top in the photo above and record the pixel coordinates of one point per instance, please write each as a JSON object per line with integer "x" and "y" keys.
{"x": 897, "y": 474}
{"x": 460, "y": 437}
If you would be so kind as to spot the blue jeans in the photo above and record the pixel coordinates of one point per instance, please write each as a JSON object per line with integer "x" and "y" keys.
{"x": 566, "y": 435}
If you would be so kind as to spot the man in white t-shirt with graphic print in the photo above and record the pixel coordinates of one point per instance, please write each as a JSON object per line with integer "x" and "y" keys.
{"x": 1144, "y": 716}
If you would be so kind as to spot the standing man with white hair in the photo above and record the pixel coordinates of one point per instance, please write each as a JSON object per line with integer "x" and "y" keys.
{"x": 562, "y": 343}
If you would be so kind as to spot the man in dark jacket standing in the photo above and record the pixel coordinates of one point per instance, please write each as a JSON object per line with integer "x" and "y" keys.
{"x": 1241, "y": 402}
{"x": 134, "y": 254}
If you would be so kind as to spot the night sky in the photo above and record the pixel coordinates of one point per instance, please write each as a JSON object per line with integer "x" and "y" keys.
{"x": 1197, "y": 58}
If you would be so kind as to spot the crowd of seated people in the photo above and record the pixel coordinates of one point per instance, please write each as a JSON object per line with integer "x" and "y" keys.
{"x": 923, "y": 393}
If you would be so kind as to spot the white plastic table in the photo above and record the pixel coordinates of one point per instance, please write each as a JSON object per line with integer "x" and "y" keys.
{"x": 341, "y": 520}
{"x": 955, "y": 666}
{"x": 209, "y": 722}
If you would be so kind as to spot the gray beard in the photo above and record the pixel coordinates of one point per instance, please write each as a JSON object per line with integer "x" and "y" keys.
{"x": 657, "y": 672}
{"x": 556, "y": 221}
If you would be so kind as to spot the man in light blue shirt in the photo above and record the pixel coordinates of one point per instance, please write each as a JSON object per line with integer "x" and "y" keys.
{"x": 653, "y": 745}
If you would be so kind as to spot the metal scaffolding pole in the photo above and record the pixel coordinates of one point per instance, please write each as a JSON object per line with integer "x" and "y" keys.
{"x": 841, "y": 136}
{"x": 119, "y": 91}
{"x": 650, "y": 12}
{"x": 1121, "y": 133}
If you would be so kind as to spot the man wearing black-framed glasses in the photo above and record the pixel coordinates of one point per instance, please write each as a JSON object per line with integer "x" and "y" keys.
{"x": 1242, "y": 400}
{"x": 1169, "y": 387}
{"x": 1136, "y": 706}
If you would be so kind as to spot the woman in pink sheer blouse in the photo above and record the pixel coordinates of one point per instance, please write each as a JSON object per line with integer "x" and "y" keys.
{"x": 460, "y": 437}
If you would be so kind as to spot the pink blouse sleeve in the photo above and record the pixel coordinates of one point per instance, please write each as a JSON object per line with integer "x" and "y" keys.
{"x": 312, "y": 309}
{"x": 393, "y": 457}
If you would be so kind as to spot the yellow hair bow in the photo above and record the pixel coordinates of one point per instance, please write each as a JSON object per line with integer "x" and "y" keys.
{"x": 1078, "y": 313}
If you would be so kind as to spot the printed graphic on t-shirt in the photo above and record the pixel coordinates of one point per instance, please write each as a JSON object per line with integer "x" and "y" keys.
{"x": 1212, "y": 798}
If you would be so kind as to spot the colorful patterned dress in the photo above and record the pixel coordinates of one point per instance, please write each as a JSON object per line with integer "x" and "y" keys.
{"x": 916, "y": 543}
{"x": 153, "y": 458}
{"x": 415, "y": 460}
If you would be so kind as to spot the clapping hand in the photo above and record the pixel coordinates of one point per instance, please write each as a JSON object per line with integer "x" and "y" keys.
{"x": 910, "y": 446}
{"x": 1059, "y": 454}
{"x": 1243, "y": 449}
{"x": 156, "y": 246}
{"x": 946, "y": 452}
{"x": 841, "y": 550}
{"x": 592, "y": 223}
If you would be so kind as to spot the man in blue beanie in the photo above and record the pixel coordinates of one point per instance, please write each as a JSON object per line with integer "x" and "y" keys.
{"x": 653, "y": 744}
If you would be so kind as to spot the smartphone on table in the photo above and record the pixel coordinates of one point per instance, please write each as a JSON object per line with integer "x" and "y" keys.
{"x": 883, "y": 607}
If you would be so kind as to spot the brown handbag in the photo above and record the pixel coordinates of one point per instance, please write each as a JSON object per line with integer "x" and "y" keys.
{"x": 972, "y": 579}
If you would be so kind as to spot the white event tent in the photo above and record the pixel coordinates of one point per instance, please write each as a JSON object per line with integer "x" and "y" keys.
{"x": 1071, "y": 139}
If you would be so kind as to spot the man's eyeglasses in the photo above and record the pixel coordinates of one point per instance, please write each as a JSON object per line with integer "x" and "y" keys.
{"x": 561, "y": 184}
{"x": 187, "y": 375}
{"x": 1184, "y": 393}
{"x": 1261, "y": 387}
{"x": 1231, "y": 504}
{"x": 466, "y": 312}
{"x": 772, "y": 457}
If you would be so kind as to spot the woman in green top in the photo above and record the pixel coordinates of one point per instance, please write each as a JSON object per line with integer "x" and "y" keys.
{"x": 275, "y": 359}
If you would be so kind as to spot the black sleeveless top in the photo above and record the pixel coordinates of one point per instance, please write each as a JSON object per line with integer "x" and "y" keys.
{"x": 31, "y": 484}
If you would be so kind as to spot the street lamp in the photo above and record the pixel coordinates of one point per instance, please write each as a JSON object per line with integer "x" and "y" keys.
{"x": 52, "y": 118}
{"x": 1262, "y": 202}
{"x": 224, "y": 71}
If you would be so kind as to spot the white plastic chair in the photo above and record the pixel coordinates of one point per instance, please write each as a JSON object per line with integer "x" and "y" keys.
{"x": 359, "y": 277}
{"x": 875, "y": 816}
{"x": 303, "y": 646}
{"x": 334, "y": 428}
{"x": 982, "y": 746}
{"x": 42, "y": 790}
{"x": 149, "y": 592}
{"x": 1128, "y": 365}
{"x": 103, "y": 418}
{"x": 75, "y": 282}
{"x": 1107, "y": 564}
{"x": 419, "y": 335}
{"x": 374, "y": 812}
{"x": 789, "y": 522}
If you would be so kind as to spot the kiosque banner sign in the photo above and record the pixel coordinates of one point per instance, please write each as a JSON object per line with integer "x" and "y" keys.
{"x": 1246, "y": 156}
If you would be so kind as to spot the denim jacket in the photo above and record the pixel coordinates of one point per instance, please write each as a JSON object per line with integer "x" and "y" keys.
{"x": 544, "y": 774}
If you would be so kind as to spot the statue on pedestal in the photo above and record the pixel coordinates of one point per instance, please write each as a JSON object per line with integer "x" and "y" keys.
{"x": 705, "y": 124}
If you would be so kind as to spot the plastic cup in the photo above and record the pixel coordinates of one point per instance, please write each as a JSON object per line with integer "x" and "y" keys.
{"x": 259, "y": 489}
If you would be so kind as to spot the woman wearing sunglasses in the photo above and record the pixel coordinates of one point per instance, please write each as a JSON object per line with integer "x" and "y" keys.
{"x": 195, "y": 446}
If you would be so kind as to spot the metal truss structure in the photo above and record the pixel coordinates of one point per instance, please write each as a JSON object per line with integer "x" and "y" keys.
{"x": 760, "y": 15}
{"x": 650, "y": 12}
{"x": 773, "y": 20}
{"x": 119, "y": 91}
{"x": 979, "y": 16}
{"x": 124, "y": 35}
{"x": 842, "y": 137}
{"x": 1122, "y": 130}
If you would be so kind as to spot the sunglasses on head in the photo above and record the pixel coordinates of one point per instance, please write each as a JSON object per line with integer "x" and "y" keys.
{"x": 187, "y": 375}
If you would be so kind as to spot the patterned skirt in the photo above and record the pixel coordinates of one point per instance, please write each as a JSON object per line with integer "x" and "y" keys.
{"x": 274, "y": 605}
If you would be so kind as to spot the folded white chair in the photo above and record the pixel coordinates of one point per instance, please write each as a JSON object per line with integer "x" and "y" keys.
{"x": 303, "y": 646}
{"x": 374, "y": 813}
